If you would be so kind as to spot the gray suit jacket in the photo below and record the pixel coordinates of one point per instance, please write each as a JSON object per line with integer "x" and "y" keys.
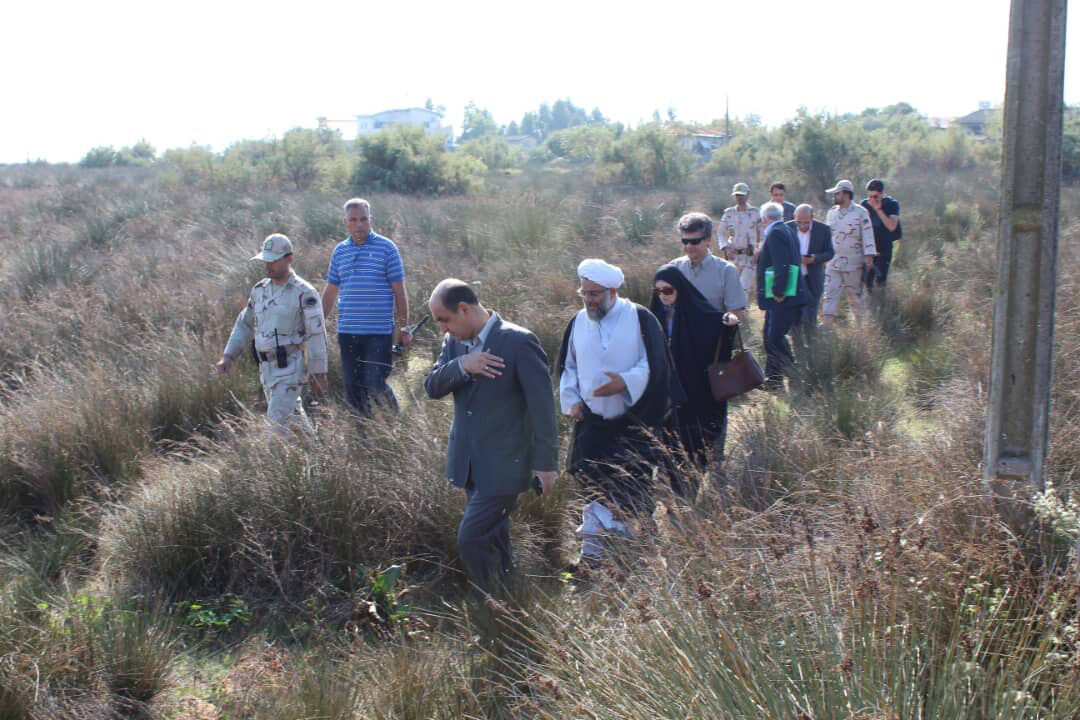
{"x": 821, "y": 248}
{"x": 504, "y": 427}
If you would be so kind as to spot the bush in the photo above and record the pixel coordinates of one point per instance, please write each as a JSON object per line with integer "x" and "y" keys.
{"x": 261, "y": 519}
{"x": 649, "y": 157}
{"x": 581, "y": 143}
{"x": 406, "y": 159}
{"x": 493, "y": 151}
{"x": 99, "y": 157}
{"x": 303, "y": 153}
{"x": 824, "y": 149}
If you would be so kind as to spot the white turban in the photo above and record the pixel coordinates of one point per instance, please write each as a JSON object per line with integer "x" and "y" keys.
{"x": 600, "y": 272}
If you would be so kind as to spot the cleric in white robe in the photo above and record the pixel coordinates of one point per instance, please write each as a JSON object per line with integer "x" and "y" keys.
{"x": 606, "y": 367}
{"x": 617, "y": 384}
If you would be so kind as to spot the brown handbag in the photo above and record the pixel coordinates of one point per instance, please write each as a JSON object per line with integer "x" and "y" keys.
{"x": 733, "y": 378}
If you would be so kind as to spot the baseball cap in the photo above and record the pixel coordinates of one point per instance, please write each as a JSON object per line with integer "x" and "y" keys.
{"x": 740, "y": 189}
{"x": 274, "y": 247}
{"x": 842, "y": 185}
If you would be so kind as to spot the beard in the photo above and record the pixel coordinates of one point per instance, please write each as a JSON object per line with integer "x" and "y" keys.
{"x": 597, "y": 314}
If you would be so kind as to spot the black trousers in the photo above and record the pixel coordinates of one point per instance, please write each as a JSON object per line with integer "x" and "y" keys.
{"x": 613, "y": 460}
{"x": 779, "y": 360}
{"x": 879, "y": 273}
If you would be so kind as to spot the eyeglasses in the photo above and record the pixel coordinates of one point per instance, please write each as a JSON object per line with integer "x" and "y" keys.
{"x": 591, "y": 294}
{"x": 694, "y": 241}
{"x": 665, "y": 291}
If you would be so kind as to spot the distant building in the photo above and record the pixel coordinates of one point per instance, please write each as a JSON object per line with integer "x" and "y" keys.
{"x": 430, "y": 120}
{"x": 975, "y": 122}
{"x": 699, "y": 142}
{"x": 524, "y": 143}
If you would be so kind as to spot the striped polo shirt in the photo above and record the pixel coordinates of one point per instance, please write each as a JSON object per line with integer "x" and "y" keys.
{"x": 363, "y": 274}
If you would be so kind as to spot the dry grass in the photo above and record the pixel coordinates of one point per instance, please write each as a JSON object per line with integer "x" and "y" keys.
{"x": 845, "y": 564}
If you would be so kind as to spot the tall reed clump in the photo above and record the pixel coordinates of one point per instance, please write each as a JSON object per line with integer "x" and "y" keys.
{"x": 421, "y": 679}
{"x": 858, "y": 605}
{"x": 291, "y": 519}
{"x": 67, "y": 652}
{"x": 83, "y": 431}
{"x": 696, "y": 657}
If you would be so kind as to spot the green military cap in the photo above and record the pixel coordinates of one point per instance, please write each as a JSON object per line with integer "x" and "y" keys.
{"x": 740, "y": 189}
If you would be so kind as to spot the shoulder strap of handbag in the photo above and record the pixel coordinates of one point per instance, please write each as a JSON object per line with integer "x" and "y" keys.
{"x": 720, "y": 341}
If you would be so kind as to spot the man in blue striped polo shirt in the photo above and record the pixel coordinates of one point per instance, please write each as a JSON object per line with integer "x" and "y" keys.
{"x": 366, "y": 283}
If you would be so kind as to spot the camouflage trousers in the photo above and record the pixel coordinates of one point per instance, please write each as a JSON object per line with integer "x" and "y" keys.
{"x": 746, "y": 267}
{"x": 839, "y": 279}
{"x": 282, "y": 388}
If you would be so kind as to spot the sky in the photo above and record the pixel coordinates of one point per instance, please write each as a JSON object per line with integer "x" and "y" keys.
{"x": 80, "y": 75}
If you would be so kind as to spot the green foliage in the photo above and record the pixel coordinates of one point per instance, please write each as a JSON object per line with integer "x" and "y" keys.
{"x": 745, "y": 153}
{"x": 640, "y": 225}
{"x": 99, "y": 157}
{"x": 407, "y": 159}
{"x": 648, "y": 157}
{"x": 141, "y": 153}
{"x": 824, "y": 149}
{"x": 493, "y": 151}
{"x": 1070, "y": 144}
{"x": 300, "y": 153}
{"x": 193, "y": 165}
{"x": 219, "y": 614}
{"x": 478, "y": 123}
{"x": 563, "y": 114}
{"x": 581, "y": 143}
{"x": 377, "y": 606}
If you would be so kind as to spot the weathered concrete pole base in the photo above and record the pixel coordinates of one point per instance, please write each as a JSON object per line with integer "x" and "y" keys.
{"x": 1024, "y": 296}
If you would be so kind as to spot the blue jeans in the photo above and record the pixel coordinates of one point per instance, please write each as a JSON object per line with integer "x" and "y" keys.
{"x": 366, "y": 362}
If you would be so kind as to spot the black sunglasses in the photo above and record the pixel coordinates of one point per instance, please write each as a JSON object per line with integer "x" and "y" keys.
{"x": 665, "y": 291}
{"x": 694, "y": 241}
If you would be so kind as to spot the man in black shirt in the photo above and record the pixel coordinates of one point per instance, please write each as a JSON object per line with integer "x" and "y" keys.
{"x": 884, "y": 214}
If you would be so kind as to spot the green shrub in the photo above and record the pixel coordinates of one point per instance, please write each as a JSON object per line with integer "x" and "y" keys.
{"x": 581, "y": 143}
{"x": 825, "y": 149}
{"x": 648, "y": 157}
{"x": 492, "y": 151}
{"x": 99, "y": 157}
{"x": 406, "y": 159}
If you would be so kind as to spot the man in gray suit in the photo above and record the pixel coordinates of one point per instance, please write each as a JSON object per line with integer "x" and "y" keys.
{"x": 816, "y": 248}
{"x": 504, "y": 431}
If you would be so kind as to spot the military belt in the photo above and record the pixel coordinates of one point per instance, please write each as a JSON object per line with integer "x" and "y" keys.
{"x": 269, "y": 356}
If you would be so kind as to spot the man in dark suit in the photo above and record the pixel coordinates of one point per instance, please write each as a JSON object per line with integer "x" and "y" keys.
{"x": 778, "y": 193}
{"x": 816, "y": 248}
{"x": 780, "y": 252}
{"x": 504, "y": 431}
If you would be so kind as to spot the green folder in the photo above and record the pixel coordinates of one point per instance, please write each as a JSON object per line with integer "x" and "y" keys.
{"x": 792, "y": 281}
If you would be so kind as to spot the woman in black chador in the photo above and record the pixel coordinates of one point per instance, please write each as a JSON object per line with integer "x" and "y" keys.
{"x": 694, "y": 328}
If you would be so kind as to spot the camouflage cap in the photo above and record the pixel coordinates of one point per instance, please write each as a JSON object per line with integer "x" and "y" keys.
{"x": 274, "y": 247}
{"x": 842, "y": 185}
{"x": 740, "y": 189}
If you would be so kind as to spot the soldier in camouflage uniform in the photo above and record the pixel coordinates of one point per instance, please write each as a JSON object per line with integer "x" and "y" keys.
{"x": 738, "y": 234}
{"x": 284, "y": 317}
{"x": 853, "y": 240}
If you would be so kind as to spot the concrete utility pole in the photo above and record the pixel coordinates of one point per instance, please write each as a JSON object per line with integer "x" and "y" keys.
{"x": 1023, "y": 339}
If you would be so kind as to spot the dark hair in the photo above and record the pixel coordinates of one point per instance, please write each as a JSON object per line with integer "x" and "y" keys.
{"x": 875, "y": 185}
{"x": 777, "y": 186}
{"x": 694, "y": 222}
{"x": 455, "y": 294}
